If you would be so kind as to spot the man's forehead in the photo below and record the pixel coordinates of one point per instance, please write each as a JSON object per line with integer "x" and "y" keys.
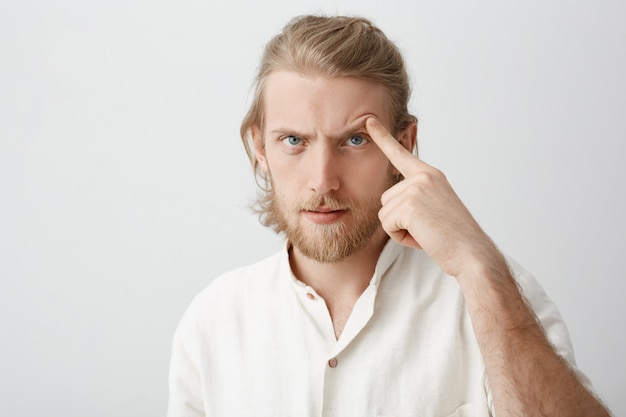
{"x": 345, "y": 102}
{"x": 314, "y": 80}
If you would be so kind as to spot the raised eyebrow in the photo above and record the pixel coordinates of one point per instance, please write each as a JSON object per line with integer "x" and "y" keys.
{"x": 358, "y": 129}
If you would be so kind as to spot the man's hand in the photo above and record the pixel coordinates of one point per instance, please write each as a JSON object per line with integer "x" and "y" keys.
{"x": 423, "y": 211}
{"x": 526, "y": 375}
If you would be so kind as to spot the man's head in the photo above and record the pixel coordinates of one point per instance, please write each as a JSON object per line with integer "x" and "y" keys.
{"x": 317, "y": 63}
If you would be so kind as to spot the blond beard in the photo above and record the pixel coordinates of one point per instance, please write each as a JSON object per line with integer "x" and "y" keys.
{"x": 326, "y": 243}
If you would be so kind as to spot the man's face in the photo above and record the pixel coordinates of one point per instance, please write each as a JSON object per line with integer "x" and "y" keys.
{"x": 326, "y": 174}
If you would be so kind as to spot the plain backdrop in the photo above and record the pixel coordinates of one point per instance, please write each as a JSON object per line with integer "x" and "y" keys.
{"x": 124, "y": 188}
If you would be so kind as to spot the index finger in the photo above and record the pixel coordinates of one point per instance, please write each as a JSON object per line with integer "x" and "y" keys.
{"x": 398, "y": 155}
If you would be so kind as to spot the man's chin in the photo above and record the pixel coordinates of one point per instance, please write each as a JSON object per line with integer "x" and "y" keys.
{"x": 328, "y": 243}
{"x": 323, "y": 255}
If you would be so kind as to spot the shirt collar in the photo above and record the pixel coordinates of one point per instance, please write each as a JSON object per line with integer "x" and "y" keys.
{"x": 387, "y": 257}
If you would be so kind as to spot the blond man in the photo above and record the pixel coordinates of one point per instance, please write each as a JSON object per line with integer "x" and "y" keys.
{"x": 388, "y": 298}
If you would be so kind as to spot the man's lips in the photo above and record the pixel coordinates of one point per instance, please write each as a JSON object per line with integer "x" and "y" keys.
{"x": 324, "y": 215}
{"x": 323, "y": 209}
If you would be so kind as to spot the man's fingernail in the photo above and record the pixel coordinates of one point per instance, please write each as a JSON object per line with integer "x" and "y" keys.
{"x": 372, "y": 121}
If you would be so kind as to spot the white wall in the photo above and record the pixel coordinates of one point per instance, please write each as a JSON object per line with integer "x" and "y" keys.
{"x": 123, "y": 185}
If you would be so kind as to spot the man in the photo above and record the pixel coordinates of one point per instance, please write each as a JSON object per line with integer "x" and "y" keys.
{"x": 389, "y": 299}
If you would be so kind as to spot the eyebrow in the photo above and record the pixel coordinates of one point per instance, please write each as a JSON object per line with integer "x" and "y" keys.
{"x": 287, "y": 131}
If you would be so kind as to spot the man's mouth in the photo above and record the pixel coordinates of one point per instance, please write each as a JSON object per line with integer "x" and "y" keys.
{"x": 324, "y": 215}
{"x": 323, "y": 210}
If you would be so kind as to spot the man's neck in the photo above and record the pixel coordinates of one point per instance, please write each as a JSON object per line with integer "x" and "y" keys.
{"x": 340, "y": 284}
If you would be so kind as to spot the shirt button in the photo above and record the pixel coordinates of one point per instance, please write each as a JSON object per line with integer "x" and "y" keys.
{"x": 332, "y": 362}
{"x": 310, "y": 296}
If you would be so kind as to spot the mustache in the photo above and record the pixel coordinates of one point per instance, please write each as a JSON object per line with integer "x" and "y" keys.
{"x": 327, "y": 201}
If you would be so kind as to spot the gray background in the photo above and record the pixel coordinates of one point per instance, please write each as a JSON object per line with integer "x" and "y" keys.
{"x": 124, "y": 187}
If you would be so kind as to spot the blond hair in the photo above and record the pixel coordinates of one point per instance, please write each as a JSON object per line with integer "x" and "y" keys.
{"x": 338, "y": 46}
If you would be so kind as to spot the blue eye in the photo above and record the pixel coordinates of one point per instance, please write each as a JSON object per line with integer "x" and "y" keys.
{"x": 356, "y": 140}
{"x": 292, "y": 140}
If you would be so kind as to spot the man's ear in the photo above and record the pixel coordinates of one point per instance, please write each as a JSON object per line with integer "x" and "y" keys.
{"x": 259, "y": 147}
{"x": 408, "y": 137}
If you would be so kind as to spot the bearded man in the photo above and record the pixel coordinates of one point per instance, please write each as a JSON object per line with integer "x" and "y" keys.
{"x": 388, "y": 298}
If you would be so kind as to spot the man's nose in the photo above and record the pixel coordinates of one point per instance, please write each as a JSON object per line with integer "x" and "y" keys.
{"x": 324, "y": 168}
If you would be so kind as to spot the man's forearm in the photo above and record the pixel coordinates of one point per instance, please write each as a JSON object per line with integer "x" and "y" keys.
{"x": 526, "y": 376}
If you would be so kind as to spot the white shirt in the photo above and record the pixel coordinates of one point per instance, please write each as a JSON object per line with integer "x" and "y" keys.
{"x": 258, "y": 342}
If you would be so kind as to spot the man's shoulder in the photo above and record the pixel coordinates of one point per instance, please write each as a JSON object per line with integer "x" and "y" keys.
{"x": 256, "y": 280}
{"x": 232, "y": 301}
